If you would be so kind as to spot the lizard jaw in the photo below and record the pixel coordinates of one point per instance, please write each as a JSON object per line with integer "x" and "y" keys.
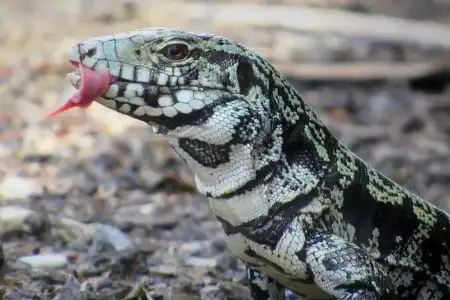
{"x": 90, "y": 85}
{"x": 75, "y": 79}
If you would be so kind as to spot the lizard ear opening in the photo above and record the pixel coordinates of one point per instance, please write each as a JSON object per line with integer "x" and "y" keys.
{"x": 244, "y": 74}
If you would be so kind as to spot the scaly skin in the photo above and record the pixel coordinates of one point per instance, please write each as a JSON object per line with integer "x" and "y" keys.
{"x": 299, "y": 209}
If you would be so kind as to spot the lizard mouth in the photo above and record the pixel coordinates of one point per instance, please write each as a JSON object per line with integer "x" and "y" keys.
{"x": 90, "y": 85}
{"x": 111, "y": 91}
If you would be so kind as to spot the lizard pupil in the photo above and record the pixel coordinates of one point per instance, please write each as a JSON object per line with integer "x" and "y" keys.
{"x": 176, "y": 51}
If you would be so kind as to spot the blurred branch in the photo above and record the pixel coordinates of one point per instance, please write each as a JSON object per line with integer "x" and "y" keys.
{"x": 314, "y": 20}
{"x": 364, "y": 71}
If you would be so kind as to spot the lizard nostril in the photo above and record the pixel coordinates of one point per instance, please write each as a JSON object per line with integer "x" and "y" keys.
{"x": 83, "y": 53}
{"x": 91, "y": 52}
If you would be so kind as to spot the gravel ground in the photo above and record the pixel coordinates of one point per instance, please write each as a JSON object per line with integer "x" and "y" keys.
{"x": 97, "y": 208}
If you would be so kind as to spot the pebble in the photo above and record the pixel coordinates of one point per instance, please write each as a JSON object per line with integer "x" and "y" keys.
{"x": 107, "y": 235}
{"x": 164, "y": 270}
{"x": 70, "y": 229}
{"x": 201, "y": 262}
{"x": 193, "y": 248}
{"x": 38, "y": 142}
{"x": 29, "y": 112}
{"x": 183, "y": 297}
{"x": 227, "y": 261}
{"x": 235, "y": 290}
{"x": 71, "y": 291}
{"x": 12, "y": 218}
{"x": 19, "y": 219}
{"x": 135, "y": 214}
{"x": 19, "y": 188}
{"x": 45, "y": 261}
{"x": 212, "y": 292}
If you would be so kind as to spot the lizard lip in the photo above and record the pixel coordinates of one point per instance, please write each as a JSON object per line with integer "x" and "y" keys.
{"x": 75, "y": 63}
{"x": 91, "y": 84}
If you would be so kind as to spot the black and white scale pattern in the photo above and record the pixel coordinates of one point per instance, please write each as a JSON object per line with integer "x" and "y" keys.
{"x": 299, "y": 208}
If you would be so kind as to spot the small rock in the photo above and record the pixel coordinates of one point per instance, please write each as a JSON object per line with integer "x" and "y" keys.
{"x": 111, "y": 250}
{"x": 70, "y": 229}
{"x": 212, "y": 292}
{"x": 12, "y": 218}
{"x": 235, "y": 290}
{"x": 109, "y": 235}
{"x": 135, "y": 214}
{"x": 95, "y": 283}
{"x": 45, "y": 261}
{"x": 6, "y": 151}
{"x": 71, "y": 291}
{"x": 39, "y": 142}
{"x": 29, "y": 112}
{"x": 20, "y": 188}
{"x": 219, "y": 245}
{"x": 227, "y": 261}
{"x": 164, "y": 270}
{"x": 193, "y": 248}
{"x": 19, "y": 219}
{"x": 184, "y": 297}
{"x": 201, "y": 262}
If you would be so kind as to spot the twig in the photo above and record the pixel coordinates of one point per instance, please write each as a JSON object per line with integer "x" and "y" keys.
{"x": 363, "y": 71}
{"x": 314, "y": 20}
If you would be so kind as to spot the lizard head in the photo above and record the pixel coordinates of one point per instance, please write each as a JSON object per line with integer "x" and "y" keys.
{"x": 202, "y": 91}
{"x": 167, "y": 78}
{"x": 225, "y": 110}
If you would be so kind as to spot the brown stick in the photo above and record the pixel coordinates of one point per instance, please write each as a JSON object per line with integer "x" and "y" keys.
{"x": 235, "y": 16}
{"x": 362, "y": 71}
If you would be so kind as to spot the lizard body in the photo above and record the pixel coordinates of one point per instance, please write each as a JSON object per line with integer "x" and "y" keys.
{"x": 299, "y": 208}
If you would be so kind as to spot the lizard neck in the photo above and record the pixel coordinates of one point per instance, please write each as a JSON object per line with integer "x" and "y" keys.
{"x": 223, "y": 170}
{"x": 253, "y": 181}
{"x": 246, "y": 180}
{"x": 257, "y": 150}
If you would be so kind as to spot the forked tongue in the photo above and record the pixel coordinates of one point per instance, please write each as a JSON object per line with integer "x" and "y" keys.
{"x": 93, "y": 85}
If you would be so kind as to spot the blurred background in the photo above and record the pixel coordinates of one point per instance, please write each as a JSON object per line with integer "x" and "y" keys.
{"x": 99, "y": 208}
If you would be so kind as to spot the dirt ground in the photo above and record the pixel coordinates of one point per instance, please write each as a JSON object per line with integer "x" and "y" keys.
{"x": 102, "y": 209}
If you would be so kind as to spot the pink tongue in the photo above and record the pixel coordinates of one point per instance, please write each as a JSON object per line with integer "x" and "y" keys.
{"x": 93, "y": 85}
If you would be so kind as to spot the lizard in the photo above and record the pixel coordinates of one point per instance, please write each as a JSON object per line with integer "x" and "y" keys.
{"x": 299, "y": 208}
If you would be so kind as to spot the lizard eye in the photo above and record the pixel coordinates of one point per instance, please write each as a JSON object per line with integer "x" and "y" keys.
{"x": 176, "y": 51}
